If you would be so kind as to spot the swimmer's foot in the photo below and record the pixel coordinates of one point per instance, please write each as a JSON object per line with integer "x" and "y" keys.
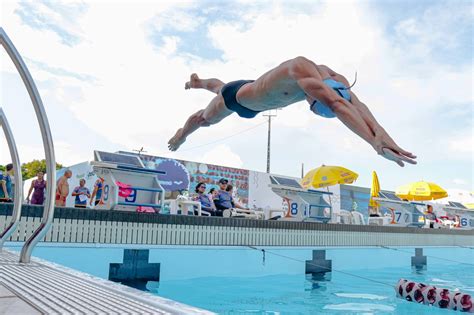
{"x": 177, "y": 140}
{"x": 193, "y": 83}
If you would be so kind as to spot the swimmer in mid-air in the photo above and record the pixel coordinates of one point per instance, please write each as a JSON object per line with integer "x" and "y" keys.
{"x": 294, "y": 80}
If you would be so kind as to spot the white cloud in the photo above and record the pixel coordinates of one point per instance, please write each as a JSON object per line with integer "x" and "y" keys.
{"x": 459, "y": 181}
{"x": 138, "y": 97}
{"x": 222, "y": 155}
{"x": 461, "y": 144}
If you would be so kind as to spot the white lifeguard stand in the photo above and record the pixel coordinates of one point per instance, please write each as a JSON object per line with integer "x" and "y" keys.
{"x": 144, "y": 189}
{"x": 303, "y": 204}
{"x": 404, "y": 213}
{"x": 463, "y": 214}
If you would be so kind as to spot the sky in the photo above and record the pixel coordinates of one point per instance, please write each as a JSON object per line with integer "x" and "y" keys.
{"x": 111, "y": 76}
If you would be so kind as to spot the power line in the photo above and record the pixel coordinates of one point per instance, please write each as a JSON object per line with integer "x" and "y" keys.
{"x": 225, "y": 138}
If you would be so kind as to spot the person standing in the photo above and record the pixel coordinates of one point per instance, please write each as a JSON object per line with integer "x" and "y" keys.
{"x": 37, "y": 187}
{"x": 62, "y": 189}
{"x": 81, "y": 193}
{"x": 6, "y": 190}
{"x": 431, "y": 216}
{"x": 97, "y": 192}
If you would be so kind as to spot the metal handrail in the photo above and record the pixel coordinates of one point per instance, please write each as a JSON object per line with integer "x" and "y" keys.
{"x": 48, "y": 212}
{"x": 18, "y": 196}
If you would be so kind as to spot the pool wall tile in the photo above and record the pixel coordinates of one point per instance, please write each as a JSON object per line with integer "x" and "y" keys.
{"x": 71, "y": 225}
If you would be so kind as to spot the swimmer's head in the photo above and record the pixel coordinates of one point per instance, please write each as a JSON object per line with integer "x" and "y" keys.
{"x": 322, "y": 110}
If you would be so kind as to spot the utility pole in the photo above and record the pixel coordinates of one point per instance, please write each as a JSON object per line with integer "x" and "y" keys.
{"x": 269, "y": 115}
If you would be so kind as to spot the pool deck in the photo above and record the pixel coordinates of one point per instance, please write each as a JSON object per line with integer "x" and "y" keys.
{"x": 41, "y": 287}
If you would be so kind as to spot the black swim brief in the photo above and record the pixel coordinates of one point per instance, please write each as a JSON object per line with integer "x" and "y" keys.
{"x": 229, "y": 92}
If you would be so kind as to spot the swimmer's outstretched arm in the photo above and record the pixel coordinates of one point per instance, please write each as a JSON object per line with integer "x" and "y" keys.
{"x": 382, "y": 138}
{"x": 357, "y": 118}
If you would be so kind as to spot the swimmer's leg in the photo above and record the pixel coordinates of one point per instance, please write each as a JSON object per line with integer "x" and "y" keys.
{"x": 212, "y": 85}
{"x": 212, "y": 114}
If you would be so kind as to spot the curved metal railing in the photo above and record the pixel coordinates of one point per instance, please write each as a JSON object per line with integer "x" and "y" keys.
{"x": 18, "y": 196}
{"x": 47, "y": 144}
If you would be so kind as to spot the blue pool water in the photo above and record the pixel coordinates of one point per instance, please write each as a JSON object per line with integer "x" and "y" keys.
{"x": 239, "y": 281}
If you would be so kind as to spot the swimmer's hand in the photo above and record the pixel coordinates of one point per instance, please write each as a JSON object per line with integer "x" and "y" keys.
{"x": 387, "y": 148}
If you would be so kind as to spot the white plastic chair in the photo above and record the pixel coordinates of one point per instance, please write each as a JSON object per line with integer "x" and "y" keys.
{"x": 357, "y": 218}
{"x": 344, "y": 217}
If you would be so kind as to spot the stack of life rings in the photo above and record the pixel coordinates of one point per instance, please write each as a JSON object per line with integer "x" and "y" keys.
{"x": 431, "y": 295}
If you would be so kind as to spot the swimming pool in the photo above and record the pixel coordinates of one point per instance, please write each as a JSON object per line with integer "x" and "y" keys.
{"x": 241, "y": 280}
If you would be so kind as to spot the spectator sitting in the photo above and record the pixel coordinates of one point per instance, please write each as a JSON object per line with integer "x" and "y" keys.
{"x": 37, "y": 186}
{"x": 213, "y": 193}
{"x": 207, "y": 204}
{"x": 81, "y": 193}
{"x": 6, "y": 184}
{"x": 230, "y": 189}
{"x": 224, "y": 199}
{"x": 235, "y": 204}
{"x": 430, "y": 215}
{"x": 374, "y": 212}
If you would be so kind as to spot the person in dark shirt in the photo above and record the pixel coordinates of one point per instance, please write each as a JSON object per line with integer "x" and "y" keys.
{"x": 207, "y": 204}
{"x": 224, "y": 198}
{"x": 37, "y": 187}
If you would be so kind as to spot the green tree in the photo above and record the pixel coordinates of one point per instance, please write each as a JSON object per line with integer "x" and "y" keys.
{"x": 30, "y": 169}
{"x": 2, "y": 168}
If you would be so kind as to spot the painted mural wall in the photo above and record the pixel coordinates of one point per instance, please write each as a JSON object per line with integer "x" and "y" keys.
{"x": 251, "y": 188}
{"x": 185, "y": 175}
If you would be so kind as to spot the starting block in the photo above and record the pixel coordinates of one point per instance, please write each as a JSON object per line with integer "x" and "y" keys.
{"x": 128, "y": 185}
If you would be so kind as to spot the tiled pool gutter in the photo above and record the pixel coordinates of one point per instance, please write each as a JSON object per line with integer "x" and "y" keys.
{"x": 71, "y": 225}
{"x": 42, "y": 287}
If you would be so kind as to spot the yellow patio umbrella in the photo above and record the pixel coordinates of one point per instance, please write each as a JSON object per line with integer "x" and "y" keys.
{"x": 421, "y": 191}
{"x": 469, "y": 205}
{"x": 374, "y": 191}
{"x": 327, "y": 175}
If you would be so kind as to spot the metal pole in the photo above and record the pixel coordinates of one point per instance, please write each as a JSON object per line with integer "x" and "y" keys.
{"x": 269, "y": 115}
{"x": 268, "y": 143}
{"x": 48, "y": 211}
{"x": 18, "y": 196}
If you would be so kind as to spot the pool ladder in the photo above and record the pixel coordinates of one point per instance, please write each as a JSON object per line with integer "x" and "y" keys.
{"x": 40, "y": 112}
